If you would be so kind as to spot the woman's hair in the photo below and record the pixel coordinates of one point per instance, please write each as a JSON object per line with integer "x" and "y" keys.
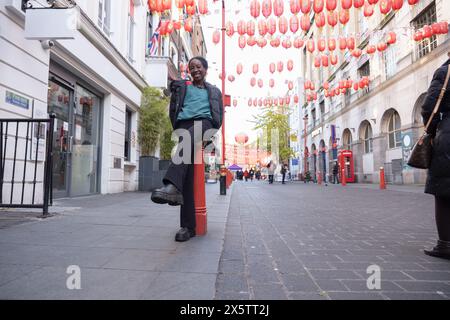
{"x": 202, "y": 61}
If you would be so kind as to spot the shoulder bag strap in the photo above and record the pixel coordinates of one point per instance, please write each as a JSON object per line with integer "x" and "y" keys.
{"x": 441, "y": 96}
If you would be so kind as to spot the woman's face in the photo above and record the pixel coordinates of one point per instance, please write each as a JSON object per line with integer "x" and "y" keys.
{"x": 197, "y": 70}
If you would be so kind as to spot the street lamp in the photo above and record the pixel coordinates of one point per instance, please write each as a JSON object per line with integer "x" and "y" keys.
{"x": 223, "y": 81}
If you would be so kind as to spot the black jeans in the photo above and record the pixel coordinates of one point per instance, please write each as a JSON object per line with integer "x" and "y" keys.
{"x": 182, "y": 175}
{"x": 442, "y": 213}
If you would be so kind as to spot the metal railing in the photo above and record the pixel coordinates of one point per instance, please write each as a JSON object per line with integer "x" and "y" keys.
{"x": 26, "y": 163}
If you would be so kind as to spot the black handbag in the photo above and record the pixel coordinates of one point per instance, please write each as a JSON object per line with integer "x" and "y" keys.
{"x": 420, "y": 156}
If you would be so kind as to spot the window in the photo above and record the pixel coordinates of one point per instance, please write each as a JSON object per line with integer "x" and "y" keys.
{"x": 313, "y": 116}
{"x": 390, "y": 62}
{"x": 427, "y": 17}
{"x": 104, "y": 15}
{"x": 394, "y": 131}
{"x": 322, "y": 110}
{"x": 364, "y": 71}
{"x": 368, "y": 140}
{"x": 131, "y": 32}
{"x": 347, "y": 139}
{"x": 127, "y": 151}
{"x": 149, "y": 32}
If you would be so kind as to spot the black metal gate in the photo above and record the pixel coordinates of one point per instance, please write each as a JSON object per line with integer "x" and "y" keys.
{"x": 26, "y": 163}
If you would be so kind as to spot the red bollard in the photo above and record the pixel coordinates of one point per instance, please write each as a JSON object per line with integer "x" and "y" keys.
{"x": 382, "y": 179}
{"x": 344, "y": 180}
{"x": 199, "y": 196}
{"x": 319, "y": 177}
{"x": 229, "y": 178}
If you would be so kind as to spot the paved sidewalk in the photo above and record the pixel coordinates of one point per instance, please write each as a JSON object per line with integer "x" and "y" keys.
{"x": 123, "y": 243}
{"x": 306, "y": 241}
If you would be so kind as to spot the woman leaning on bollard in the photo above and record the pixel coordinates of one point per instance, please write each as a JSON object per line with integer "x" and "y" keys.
{"x": 190, "y": 101}
{"x": 438, "y": 180}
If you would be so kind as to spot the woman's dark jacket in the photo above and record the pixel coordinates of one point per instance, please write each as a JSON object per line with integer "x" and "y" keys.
{"x": 178, "y": 90}
{"x": 438, "y": 180}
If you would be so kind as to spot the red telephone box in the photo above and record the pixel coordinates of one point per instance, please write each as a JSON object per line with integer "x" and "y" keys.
{"x": 345, "y": 158}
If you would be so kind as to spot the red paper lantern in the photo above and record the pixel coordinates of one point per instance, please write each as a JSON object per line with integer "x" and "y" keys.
{"x": 271, "y": 25}
{"x": 293, "y": 24}
{"x": 287, "y": 100}
{"x": 427, "y": 31}
{"x": 296, "y": 99}
{"x": 220, "y": 76}
{"x": 280, "y": 66}
{"x": 250, "y": 28}
{"x": 355, "y": 86}
{"x": 282, "y": 25}
{"x": 152, "y": 5}
{"x": 278, "y": 7}
{"x": 251, "y": 41}
{"x": 318, "y": 6}
{"x": 372, "y": 1}
{"x": 305, "y": 23}
{"x": 295, "y": 6}
{"x": 266, "y": 8}
{"x": 413, "y": 2}
{"x": 342, "y": 84}
{"x": 321, "y": 44}
{"x": 332, "y": 18}
{"x": 253, "y": 81}
{"x": 358, "y": 3}
{"x": 287, "y": 44}
{"x": 188, "y": 25}
{"x": 310, "y": 45}
{"x": 350, "y": 43}
{"x": 203, "y": 6}
{"x": 262, "y": 27}
{"x": 331, "y": 5}
{"x": 346, "y": 4}
{"x": 189, "y": 2}
{"x": 382, "y": 46}
{"x": 255, "y": 8}
{"x": 262, "y": 42}
{"x": 357, "y": 53}
{"x": 242, "y": 42}
{"x": 298, "y": 42}
{"x": 397, "y": 4}
{"x": 317, "y": 61}
{"x": 255, "y": 68}
{"x": 231, "y": 78}
{"x": 290, "y": 85}
{"x": 290, "y": 65}
{"x": 260, "y": 83}
{"x": 241, "y": 27}
{"x": 271, "y": 83}
{"x": 326, "y": 85}
{"x": 371, "y": 49}
{"x": 241, "y": 138}
{"x": 444, "y": 27}
{"x": 344, "y": 16}
{"x": 418, "y": 36}
{"x": 342, "y": 44}
{"x": 385, "y": 6}
{"x": 331, "y": 44}
{"x": 305, "y": 6}
{"x": 260, "y": 102}
{"x": 216, "y": 37}
{"x": 239, "y": 68}
{"x": 190, "y": 10}
{"x": 272, "y": 67}
{"x": 235, "y": 103}
{"x": 250, "y": 102}
{"x": 333, "y": 59}
{"x": 392, "y": 38}
{"x": 275, "y": 42}
{"x": 368, "y": 10}
{"x": 320, "y": 20}
{"x": 436, "y": 27}
{"x": 167, "y": 4}
{"x": 325, "y": 60}
{"x": 312, "y": 86}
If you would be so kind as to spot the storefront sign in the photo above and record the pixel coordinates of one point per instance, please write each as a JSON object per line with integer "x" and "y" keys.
{"x": 17, "y": 100}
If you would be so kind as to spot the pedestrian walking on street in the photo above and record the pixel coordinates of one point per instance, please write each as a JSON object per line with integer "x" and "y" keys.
{"x": 271, "y": 171}
{"x": 246, "y": 175}
{"x": 252, "y": 174}
{"x": 283, "y": 173}
{"x": 438, "y": 180}
{"x": 190, "y": 101}
{"x": 336, "y": 173}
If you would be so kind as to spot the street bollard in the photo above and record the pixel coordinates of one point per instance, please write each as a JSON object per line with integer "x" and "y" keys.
{"x": 319, "y": 177}
{"x": 344, "y": 180}
{"x": 229, "y": 178}
{"x": 199, "y": 194}
{"x": 223, "y": 181}
{"x": 382, "y": 179}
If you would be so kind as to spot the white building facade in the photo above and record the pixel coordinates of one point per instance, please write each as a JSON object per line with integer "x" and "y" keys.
{"x": 381, "y": 122}
{"x": 93, "y": 84}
